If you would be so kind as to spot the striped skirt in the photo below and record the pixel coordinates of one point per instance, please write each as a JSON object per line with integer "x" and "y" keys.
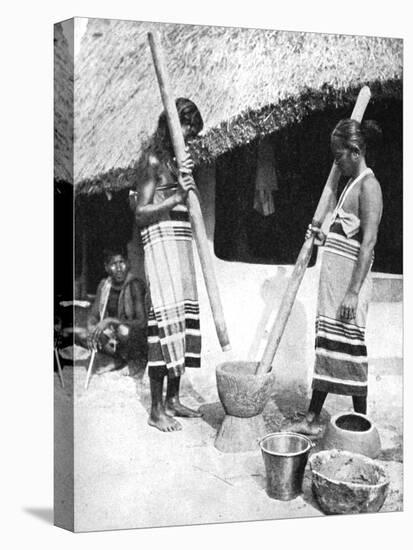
{"x": 174, "y": 337}
{"x": 341, "y": 354}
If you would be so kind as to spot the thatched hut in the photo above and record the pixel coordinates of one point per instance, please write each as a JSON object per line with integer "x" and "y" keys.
{"x": 63, "y": 161}
{"x": 63, "y": 107}
{"x": 249, "y": 83}
{"x": 259, "y": 91}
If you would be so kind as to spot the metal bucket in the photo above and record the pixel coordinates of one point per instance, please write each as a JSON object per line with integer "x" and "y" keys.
{"x": 285, "y": 456}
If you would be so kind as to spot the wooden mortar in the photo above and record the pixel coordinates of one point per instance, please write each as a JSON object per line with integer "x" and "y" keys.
{"x": 243, "y": 395}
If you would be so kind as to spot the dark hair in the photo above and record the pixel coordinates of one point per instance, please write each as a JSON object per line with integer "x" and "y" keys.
{"x": 188, "y": 113}
{"x": 108, "y": 253}
{"x": 356, "y": 134}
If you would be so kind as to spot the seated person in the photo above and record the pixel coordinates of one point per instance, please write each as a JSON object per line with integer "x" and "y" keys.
{"x": 117, "y": 318}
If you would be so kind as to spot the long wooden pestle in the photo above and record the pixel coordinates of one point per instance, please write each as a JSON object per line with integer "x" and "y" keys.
{"x": 329, "y": 191}
{"x": 194, "y": 208}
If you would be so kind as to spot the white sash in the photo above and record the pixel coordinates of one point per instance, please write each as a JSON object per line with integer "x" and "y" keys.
{"x": 347, "y": 190}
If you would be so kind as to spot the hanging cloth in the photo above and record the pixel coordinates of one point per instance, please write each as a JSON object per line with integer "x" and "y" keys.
{"x": 265, "y": 179}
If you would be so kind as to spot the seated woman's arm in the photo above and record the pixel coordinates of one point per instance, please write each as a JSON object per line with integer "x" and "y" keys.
{"x": 93, "y": 315}
{"x": 139, "y": 293}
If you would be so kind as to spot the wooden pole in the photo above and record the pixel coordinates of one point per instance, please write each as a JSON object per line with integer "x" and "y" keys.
{"x": 89, "y": 369}
{"x": 84, "y": 273}
{"x": 304, "y": 256}
{"x": 59, "y": 367}
{"x": 194, "y": 208}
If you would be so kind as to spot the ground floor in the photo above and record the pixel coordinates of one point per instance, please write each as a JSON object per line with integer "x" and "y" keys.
{"x": 128, "y": 474}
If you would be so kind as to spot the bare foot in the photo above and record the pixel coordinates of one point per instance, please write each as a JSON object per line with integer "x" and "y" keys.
{"x": 174, "y": 407}
{"x": 304, "y": 427}
{"x": 164, "y": 422}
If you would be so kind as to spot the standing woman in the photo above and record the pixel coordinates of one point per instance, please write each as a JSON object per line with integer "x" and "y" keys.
{"x": 174, "y": 338}
{"x": 345, "y": 282}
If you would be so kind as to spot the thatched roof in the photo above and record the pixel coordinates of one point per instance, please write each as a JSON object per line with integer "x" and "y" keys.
{"x": 63, "y": 107}
{"x": 247, "y": 83}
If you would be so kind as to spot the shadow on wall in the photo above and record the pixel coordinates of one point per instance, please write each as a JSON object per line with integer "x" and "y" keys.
{"x": 291, "y": 360}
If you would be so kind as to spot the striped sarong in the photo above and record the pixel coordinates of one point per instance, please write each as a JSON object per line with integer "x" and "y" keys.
{"x": 341, "y": 354}
{"x": 174, "y": 337}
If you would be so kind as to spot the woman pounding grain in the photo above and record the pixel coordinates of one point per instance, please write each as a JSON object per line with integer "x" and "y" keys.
{"x": 345, "y": 283}
{"x": 174, "y": 338}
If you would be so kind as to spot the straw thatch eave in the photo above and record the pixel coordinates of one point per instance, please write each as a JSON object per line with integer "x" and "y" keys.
{"x": 63, "y": 108}
{"x": 247, "y": 83}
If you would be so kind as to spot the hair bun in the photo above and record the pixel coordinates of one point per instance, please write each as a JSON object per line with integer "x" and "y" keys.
{"x": 372, "y": 132}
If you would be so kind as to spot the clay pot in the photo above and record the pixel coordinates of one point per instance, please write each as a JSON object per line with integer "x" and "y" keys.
{"x": 241, "y": 391}
{"x": 352, "y": 432}
{"x": 335, "y": 495}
